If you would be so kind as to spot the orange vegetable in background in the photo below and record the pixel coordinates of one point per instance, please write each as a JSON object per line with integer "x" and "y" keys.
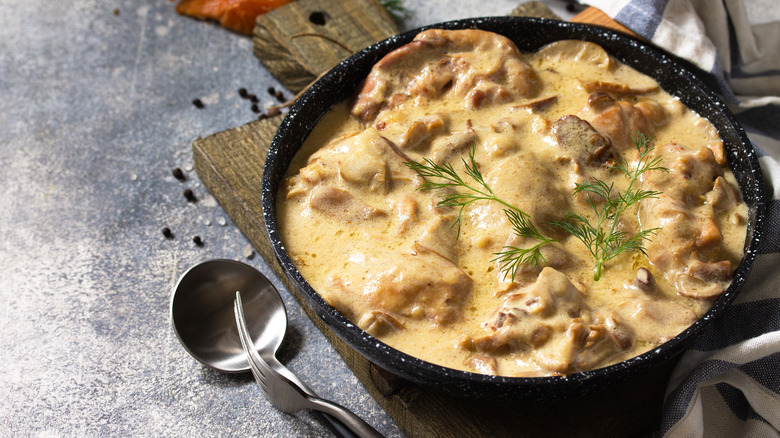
{"x": 236, "y": 15}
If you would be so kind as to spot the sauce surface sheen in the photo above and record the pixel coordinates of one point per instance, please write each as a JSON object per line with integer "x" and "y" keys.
{"x": 384, "y": 253}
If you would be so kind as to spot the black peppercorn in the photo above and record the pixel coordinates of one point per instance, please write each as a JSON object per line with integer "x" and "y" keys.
{"x": 178, "y": 174}
{"x": 279, "y": 96}
{"x": 190, "y": 195}
{"x": 197, "y": 240}
{"x": 198, "y": 103}
{"x": 255, "y": 108}
{"x": 272, "y": 91}
{"x": 242, "y": 92}
{"x": 167, "y": 233}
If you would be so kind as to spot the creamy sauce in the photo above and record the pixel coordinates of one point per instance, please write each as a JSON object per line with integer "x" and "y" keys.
{"x": 379, "y": 249}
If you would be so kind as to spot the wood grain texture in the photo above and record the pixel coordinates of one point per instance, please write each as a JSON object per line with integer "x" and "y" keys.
{"x": 302, "y": 39}
{"x": 230, "y": 164}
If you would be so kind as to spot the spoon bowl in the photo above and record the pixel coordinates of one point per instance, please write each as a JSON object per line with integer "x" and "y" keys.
{"x": 203, "y": 319}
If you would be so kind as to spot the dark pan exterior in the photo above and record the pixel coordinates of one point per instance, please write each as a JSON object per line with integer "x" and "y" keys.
{"x": 675, "y": 76}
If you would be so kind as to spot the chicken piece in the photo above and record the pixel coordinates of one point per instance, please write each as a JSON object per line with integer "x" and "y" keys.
{"x": 528, "y": 317}
{"x": 341, "y": 204}
{"x": 508, "y": 132}
{"x": 548, "y": 316}
{"x": 687, "y": 245}
{"x": 473, "y": 67}
{"x": 620, "y": 121}
{"x": 440, "y": 238}
{"x": 418, "y": 284}
{"x": 365, "y": 161}
{"x": 581, "y": 347}
{"x": 307, "y": 178}
{"x": 445, "y": 149}
{"x": 406, "y": 213}
{"x": 692, "y": 173}
{"x": 421, "y": 130}
{"x": 653, "y": 321}
{"x": 543, "y": 202}
{"x": 723, "y": 196}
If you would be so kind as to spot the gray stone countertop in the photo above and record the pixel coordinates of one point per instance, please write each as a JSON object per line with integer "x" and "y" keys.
{"x": 96, "y": 109}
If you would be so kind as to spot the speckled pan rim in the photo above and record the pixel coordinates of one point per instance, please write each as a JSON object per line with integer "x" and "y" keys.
{"x": 340, "y": 83}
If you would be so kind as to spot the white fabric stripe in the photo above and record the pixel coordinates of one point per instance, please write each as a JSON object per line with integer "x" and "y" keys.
{"x": 682, "y": 33}
{"x": 715, "y": 20}
{"x": 740, "y": 353}
{"x": 609, "y": 7}
{"x": 761, "y": 400}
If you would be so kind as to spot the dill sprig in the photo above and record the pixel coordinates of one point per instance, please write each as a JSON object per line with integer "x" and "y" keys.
{"x": 603, "y": 238}
{"x": 444, "y": 176}
{"x": 510, "y": 257}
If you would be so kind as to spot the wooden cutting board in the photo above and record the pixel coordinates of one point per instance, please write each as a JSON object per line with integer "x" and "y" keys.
{"x": 230, "y": 164}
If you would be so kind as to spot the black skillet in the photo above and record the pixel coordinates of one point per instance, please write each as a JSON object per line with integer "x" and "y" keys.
{"x": 675, "y": 76}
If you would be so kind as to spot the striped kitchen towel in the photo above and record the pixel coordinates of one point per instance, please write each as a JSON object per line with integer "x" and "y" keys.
{"x": 728, "y": 383}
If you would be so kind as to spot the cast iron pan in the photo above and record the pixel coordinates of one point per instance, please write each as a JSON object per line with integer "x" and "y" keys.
{"x": 529, "y": 34}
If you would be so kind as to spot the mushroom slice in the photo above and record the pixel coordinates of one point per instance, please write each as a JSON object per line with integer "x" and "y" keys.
{"x": 579, "y": 140}
{"x": 378, "y": 323}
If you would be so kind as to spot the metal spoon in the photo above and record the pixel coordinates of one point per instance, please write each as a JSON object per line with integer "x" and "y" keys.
{"x": 203, "y": 319}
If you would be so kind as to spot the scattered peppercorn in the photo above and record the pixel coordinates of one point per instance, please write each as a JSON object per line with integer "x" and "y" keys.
{"x": 197, "y": 240}
{"x": 272, "y": 91}
{"x": 279, "y": 96}
{"x": 242, "y": 92}
{"x": 178, "y": 174}
{"x": 198, "y": 103}
{"x": 190, "y": 195}
{"x": 318, "y": 18}
{"x": 167, "y": 233}
{"x": 252, "y": 98}
{"x": 272, "y": 112}
{"x": 255, "y": 108}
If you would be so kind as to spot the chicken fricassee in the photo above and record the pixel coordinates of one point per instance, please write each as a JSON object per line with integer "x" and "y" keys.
{"x": 516, "y": 214}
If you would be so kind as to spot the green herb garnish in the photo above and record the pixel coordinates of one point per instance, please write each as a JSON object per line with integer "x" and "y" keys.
{"x": 444, "y": 176}
{"x": 603, "y": 239}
